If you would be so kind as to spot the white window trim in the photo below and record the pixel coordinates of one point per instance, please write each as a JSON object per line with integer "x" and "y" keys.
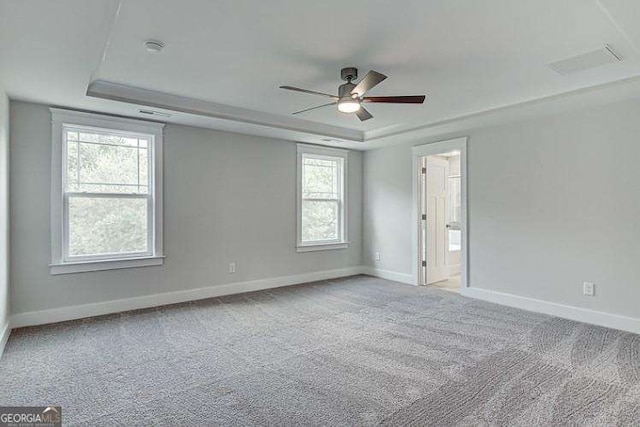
{"x": 328, "y": 245}
{"x": 60, "y": 118}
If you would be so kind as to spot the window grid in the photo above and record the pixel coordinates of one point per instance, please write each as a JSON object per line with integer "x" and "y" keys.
{"x": 77, "y": 140}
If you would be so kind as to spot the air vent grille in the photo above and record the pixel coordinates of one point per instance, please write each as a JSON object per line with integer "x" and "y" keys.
{"x": 154, "y": 113}
{"x": 585, "y": 61}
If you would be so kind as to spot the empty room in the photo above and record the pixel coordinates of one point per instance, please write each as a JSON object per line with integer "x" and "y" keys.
{"x": 238, "y": 213}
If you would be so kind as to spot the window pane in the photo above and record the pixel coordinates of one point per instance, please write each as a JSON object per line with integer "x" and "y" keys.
{"x": 107, "y": 225}
{"x": 104, "y": 162}
{"x": 320, "y": 178}
{"x": 319, "y": 220}
{"x": 143, "y": 176}
{"x": 89, "y": 137}
{"x": 108, "y": 164}
{"x": 108, "y": 138}
{"x": 72, "y": 165}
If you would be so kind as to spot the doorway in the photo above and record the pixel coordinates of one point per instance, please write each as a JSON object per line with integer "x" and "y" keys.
{"x": 440, "y": 213}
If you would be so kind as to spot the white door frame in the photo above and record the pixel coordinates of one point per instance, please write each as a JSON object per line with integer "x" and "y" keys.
{"x": 441, "y": 147}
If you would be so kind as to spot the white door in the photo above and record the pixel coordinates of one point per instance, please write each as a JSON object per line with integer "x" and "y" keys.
{"x": 436, "y": 246}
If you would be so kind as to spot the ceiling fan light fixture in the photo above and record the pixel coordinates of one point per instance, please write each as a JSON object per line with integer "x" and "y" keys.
{"x": 351, "y": 95}
{"x": 348, "y": 105}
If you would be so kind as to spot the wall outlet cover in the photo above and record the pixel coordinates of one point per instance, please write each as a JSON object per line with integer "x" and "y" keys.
{"x": 588, "y": 288}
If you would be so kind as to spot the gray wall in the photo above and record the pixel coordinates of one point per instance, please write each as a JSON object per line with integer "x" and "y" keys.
{"x": 552, "y": 202}
{"x": 227, "y": 197}
{"x": 4, "y": 210}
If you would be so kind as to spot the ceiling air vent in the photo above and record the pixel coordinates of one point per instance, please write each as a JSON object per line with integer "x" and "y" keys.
{"x": 154, "y": 113}
{"x": 595, "y": 58}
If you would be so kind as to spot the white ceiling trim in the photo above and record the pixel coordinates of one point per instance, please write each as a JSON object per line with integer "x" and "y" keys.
{"x": 149, "y": 98}
{"x": 271, "y": 125}
{"x": 472, "y": 77}
{"x": 616, "y": 23}
{"x": 107, "y": 42}
{"x": 556, "y": 104}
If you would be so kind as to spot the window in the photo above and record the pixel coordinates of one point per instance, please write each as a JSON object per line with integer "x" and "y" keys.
{"x": 106, "y": 192}
{"x": 321, "y": 198}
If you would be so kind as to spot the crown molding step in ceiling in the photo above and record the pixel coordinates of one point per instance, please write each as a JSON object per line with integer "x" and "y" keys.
{"x": 128, "y": 57}
{"x": 149, "y": 98}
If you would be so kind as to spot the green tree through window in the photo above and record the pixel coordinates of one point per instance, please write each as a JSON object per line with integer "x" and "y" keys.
{"x": 107, "y": 196}
{"x": 321, "y": 198}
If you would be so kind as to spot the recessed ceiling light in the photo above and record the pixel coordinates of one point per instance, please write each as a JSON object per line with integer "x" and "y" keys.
{"x": 154, "y": 46}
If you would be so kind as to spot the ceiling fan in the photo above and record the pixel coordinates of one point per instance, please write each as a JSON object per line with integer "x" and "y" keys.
{"x": 351, "y": 95}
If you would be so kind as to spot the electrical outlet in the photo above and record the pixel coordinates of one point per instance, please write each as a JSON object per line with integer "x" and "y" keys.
{"x": 589, "y": 289}
{"x": 232, "y": 267}
{"x": 377, "y": 256}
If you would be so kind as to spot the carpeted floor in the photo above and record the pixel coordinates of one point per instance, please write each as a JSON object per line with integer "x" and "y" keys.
{"x": 355, "y": 351}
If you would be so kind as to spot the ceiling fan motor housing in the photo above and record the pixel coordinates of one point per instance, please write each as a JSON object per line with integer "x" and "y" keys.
{"x": 349, "y": 73}
{"x": 348, "y": 103}
{"x": 344, "y": 90}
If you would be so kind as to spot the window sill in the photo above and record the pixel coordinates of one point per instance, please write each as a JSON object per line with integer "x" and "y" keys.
{"x": 322, "y": 247}
{"x": 84, "y": 266}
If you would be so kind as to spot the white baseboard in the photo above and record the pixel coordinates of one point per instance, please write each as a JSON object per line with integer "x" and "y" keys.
{"x": 4, "y": 337}
{"x": 116, "y": 306}
{"x": 608, "y": 320}
{"x": 389, "y": 275}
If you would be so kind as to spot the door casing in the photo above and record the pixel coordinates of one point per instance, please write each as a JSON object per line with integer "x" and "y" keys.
{"x": 418, "y": 152}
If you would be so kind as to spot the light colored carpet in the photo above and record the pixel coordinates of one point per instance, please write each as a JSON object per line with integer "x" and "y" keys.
{"x": 356, "y": 351}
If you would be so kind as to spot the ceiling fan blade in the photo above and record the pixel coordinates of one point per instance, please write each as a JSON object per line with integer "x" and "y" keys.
{"x": 363, "y": 114}
{"x": 418, "y": 99}
{"x": 372, "y": 79}
{"x": 313, "y": 108}
{"x": 312, "y": 92}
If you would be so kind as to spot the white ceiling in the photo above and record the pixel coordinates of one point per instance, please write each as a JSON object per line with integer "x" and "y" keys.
{"x": 468, "y": 56}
